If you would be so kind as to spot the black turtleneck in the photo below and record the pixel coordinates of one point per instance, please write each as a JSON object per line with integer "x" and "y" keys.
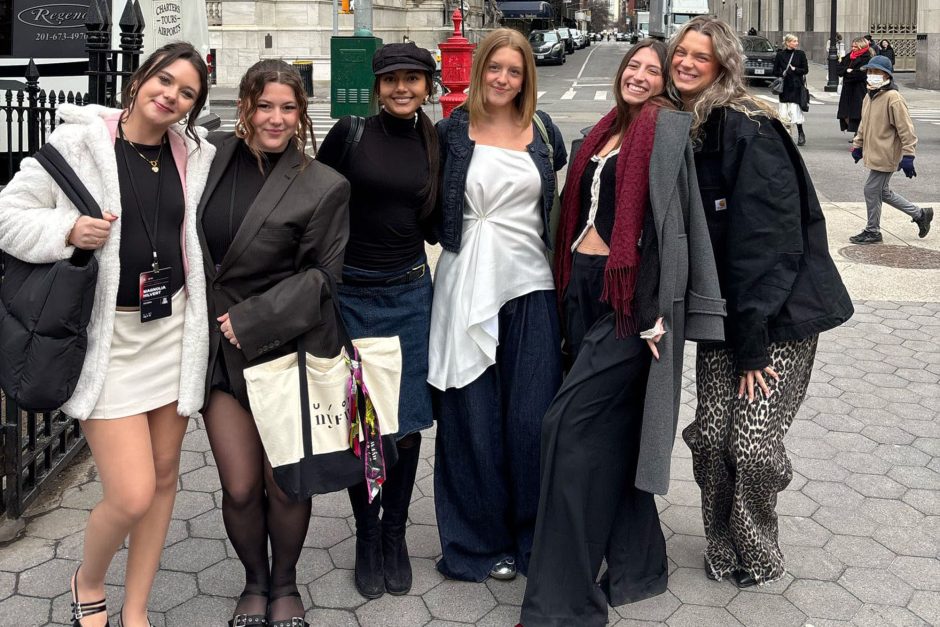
{"x": 233, "y": 196}
{"x": 386, "y": 173}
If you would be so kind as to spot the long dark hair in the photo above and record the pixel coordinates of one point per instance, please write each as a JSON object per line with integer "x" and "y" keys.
{"x": 249, "y": 91}
{"x": 162, "y": 58}
{"x": 624, "y": 116}
{"x": 431, "y": 147}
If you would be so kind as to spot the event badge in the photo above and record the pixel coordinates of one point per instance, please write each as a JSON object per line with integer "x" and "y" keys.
{"x": 156, "y": 302}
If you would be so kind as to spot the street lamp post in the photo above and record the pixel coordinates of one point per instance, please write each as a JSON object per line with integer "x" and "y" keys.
{"x": 832, "y": 84}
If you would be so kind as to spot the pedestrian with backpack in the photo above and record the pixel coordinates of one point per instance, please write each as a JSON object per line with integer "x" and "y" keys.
{"x": 392, "y": 162}
{"x": 885, "y": 140}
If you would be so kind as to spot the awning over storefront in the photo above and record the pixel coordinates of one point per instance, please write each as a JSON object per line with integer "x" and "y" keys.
{"x": 525, "y": 10}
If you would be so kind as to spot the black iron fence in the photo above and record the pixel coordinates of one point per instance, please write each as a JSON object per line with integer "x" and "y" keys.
{"x": 35, "y": 447}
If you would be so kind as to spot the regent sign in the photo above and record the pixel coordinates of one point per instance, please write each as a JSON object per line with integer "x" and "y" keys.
{"x": 44, "y": 29}
{"x": 56, "y": 16}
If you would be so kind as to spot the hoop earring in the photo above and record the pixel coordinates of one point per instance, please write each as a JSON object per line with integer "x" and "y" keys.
{"x": 241, "y": 131}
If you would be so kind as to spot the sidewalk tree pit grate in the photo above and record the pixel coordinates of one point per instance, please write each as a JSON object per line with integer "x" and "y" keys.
{"x": 893, "y": 256}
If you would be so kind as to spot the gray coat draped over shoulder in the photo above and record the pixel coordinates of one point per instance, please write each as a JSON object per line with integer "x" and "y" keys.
{"x": 689, "y": 298}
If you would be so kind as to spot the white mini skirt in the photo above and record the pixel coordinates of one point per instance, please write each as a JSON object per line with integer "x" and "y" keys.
{"x": 144, "y": 365}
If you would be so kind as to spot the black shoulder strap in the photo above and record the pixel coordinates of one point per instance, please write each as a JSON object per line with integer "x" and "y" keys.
{"x": 66, "y": 178}
{"x": 356, "y": 125}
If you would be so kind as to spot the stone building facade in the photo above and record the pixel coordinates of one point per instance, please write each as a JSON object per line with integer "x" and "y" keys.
{"x": 243, "y": 31}
{"x": 912, "y": 27}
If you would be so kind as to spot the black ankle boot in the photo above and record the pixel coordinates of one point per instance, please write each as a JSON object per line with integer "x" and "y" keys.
{"x": 800, "y": 137}
{"x": 396, "y": 497}
{"x": 369, "y": 579}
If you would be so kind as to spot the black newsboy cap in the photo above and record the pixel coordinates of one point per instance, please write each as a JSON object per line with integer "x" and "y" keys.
{"x": 409, "y": 56}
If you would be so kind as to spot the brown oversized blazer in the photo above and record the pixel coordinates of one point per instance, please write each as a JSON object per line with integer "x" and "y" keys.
{"x": 271, "y": 281}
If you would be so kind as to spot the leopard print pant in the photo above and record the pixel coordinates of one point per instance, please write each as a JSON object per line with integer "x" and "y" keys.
{"x": 738, "y": 456}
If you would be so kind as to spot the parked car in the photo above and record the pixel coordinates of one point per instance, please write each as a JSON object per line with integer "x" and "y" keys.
{"x": 759, "y": 56}
{"x": 580, "y": 41}
{"x": 565, "y": 34}
{"x": 547, "y": 46}
{"x": 621, "y": 36}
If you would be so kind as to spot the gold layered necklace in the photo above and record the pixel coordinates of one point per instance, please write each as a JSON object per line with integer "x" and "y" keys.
{"x": 154, "y": 163}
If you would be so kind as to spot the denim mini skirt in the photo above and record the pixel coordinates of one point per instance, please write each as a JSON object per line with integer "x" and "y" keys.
{"x": 373, "y": 309}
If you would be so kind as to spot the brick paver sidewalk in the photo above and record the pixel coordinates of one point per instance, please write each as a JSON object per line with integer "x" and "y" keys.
{"x": 860, "y": 523}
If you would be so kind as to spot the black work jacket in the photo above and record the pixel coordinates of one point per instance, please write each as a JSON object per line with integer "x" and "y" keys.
{"x": 768, "y": 234}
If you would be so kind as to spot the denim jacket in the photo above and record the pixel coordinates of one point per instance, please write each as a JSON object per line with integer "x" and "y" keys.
{"x": 456, "y": 150}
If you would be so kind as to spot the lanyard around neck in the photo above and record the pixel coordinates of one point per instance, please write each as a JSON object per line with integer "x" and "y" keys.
{"x": 151, "y": 235}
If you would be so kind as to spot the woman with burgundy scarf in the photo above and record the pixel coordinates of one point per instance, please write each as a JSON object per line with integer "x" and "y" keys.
{"x": 635, "y": 276}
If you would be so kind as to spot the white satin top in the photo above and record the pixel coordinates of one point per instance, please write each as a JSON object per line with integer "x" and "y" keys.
{"x": 501, "y": 257}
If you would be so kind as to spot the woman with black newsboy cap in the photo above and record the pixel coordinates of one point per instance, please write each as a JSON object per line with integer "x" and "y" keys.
{"x": 386, "y": 290}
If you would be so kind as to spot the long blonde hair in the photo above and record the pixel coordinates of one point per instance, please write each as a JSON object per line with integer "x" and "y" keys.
{"x": 729, "y": 89}
{"x": 525, "y": 100}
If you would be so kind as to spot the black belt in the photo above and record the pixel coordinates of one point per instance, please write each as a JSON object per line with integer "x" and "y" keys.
{"x": 414, "y": 274}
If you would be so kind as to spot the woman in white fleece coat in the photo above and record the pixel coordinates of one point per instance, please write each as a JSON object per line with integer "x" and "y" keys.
{"x": 144, "y": 369}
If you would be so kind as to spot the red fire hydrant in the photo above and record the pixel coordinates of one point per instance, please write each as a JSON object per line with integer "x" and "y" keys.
{"x": 456, "y": 59}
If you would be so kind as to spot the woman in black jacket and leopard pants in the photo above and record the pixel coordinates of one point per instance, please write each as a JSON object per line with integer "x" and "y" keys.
{"x": 782, "y": 288}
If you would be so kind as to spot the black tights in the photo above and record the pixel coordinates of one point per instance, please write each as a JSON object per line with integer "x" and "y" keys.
{"x": 255, "y": 510}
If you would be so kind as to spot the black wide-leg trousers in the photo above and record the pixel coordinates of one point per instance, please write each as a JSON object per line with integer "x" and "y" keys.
{"x": 589, "y": 509}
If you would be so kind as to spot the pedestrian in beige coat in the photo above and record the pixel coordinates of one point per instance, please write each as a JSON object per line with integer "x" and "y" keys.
{"x": 885, "y": 140}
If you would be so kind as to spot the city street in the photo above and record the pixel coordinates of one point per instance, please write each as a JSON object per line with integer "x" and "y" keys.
{"x": 859, "y": 524}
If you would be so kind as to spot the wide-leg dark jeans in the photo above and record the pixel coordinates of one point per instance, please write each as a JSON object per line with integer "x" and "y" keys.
{"x": 589, "y": 508}
{"x": 486, "y": 466}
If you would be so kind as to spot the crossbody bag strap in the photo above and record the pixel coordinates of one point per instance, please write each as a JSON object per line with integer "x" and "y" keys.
{"x": 66, "y": 178}
{"x": 356, "y": 125}
{"x": 540, "y": 125}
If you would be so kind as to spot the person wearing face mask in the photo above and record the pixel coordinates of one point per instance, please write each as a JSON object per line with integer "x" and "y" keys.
{"x": 635, "y": 276}
{"x": 853, "y": 85}
{"x": 791, "y": 64}
{"x": 885, "y": 141}
{"x": 386, "y": 289}
{"x": 272, "y": 223}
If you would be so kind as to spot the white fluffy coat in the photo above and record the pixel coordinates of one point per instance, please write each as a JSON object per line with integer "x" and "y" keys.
{"x": 36, "y": 218}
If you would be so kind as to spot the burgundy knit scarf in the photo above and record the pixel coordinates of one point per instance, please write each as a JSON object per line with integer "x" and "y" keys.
{"x": 632, "y": 198}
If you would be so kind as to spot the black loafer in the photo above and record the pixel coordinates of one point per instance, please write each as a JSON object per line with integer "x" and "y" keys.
{"x": 744, "y": 579}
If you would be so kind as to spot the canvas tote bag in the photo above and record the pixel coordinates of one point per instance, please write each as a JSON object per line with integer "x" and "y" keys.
{"x": 329, "y": 423}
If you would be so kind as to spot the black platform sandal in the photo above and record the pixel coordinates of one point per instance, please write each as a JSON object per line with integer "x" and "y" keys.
{"x": 294, "y": 621}
{"x": 81, "y": 610}
{"x": 249, "y": 620}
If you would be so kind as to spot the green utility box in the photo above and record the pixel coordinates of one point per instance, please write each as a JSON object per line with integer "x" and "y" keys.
{"x": 351, "y": 75}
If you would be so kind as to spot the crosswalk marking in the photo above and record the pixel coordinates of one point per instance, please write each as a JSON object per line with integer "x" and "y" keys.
{"x": 929, "y": 116}
{"x": 775, "y": 100}
{"x": 600, "y": 95}
{"x": 568, "y": 95}
{"x": 540, "y": 94}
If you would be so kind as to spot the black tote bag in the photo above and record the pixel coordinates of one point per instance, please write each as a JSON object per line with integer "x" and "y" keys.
{"x": 45, "y": 310}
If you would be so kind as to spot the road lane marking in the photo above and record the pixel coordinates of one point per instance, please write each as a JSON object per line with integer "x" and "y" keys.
{"x": 568, "y": 95}
{"x": 584, "y": 65}
{"x": 540, "y": 94}
{"x": 600, "y": 95}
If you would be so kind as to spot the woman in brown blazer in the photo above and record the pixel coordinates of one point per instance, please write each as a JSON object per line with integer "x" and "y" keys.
{"x": 272, "y": 224}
